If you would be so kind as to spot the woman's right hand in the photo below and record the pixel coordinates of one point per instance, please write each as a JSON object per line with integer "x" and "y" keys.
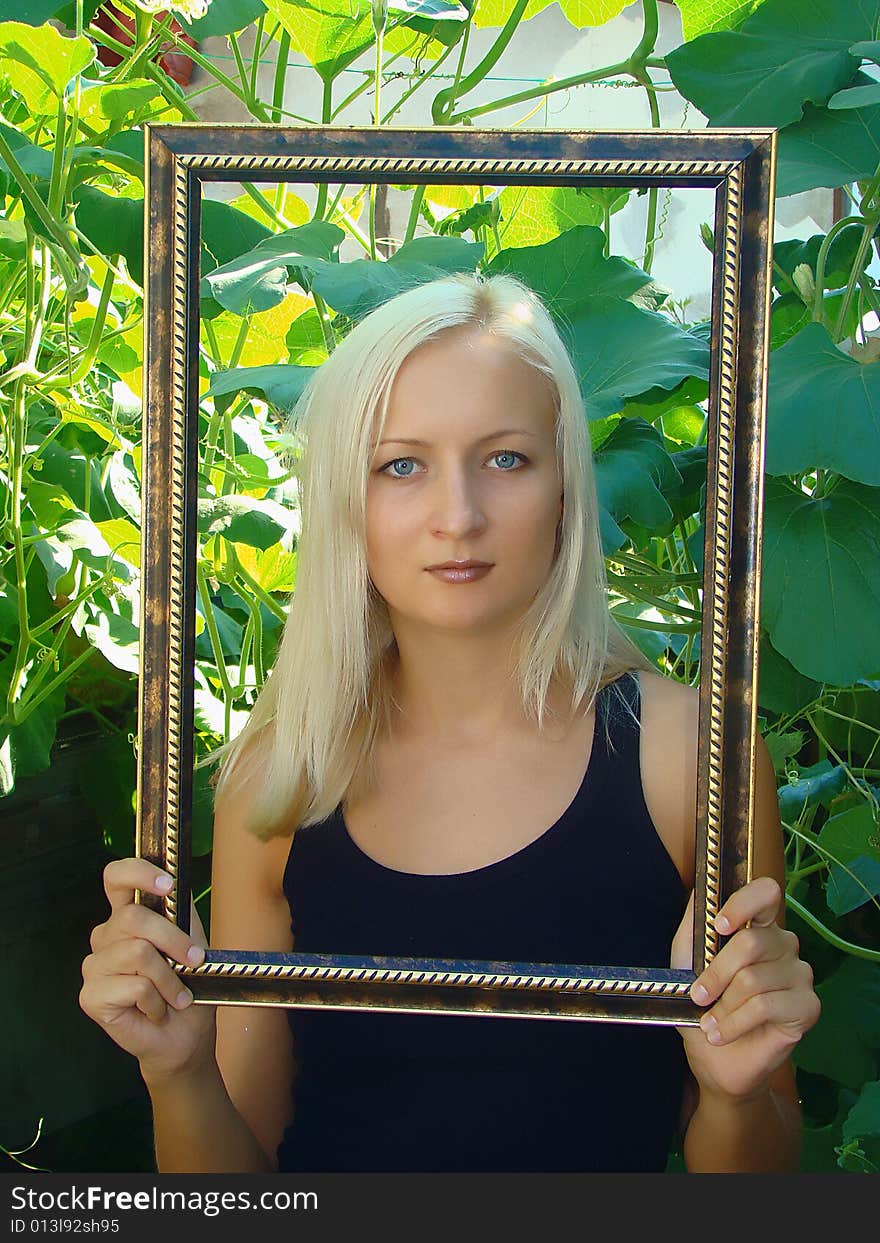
{"x": 132, "y": 992}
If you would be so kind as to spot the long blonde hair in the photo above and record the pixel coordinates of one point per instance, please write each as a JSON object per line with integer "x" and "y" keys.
{"x": 328, "y": 699}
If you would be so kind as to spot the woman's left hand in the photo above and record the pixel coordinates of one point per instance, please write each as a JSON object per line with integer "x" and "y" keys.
{"x": 757, "y": 990}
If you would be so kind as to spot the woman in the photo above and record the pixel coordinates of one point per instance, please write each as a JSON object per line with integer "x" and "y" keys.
{"x": 421, "y": 728}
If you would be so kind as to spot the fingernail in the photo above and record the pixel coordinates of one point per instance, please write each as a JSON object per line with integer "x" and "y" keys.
{"x": 164, "y": 883}
{"x": 722, "y": 923}
{"x": 700, "y": 994}
{"x": 195, "y": 954}
{"x": 184, "y": 997}
{"x": 710, "y": 1028}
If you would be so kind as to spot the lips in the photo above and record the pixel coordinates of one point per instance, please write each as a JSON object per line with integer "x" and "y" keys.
{"x": 461, "y": 565}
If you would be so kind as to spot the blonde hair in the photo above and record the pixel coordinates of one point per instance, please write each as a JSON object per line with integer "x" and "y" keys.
{"x": 311, "y": 732}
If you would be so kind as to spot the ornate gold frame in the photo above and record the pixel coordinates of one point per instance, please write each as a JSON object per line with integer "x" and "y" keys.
{"x": 740, "y": 164}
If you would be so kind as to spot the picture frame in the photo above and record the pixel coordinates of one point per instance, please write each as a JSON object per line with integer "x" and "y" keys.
{"x": 739, "y": 164}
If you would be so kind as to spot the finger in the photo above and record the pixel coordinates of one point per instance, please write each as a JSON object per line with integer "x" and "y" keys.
{"x": 748, "y": 945}
{"x": 762, "y": 977}
{"x": 197, "y": 932}
{"x": 140, "y": 923}
{"x": 758, "y": 901}
{"x": 123, "y": 876}
{"x": 107, "y": 1000}
{"x": 790, "y": 1011}
{"x": 136, "y": 957}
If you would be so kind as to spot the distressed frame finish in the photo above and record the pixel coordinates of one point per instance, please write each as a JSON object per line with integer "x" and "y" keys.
{"x": 740, "y": 165}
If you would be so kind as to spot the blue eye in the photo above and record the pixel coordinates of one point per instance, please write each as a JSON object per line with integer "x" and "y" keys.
{"x": 395, "y": 463}
{"x": 508, "y": 453}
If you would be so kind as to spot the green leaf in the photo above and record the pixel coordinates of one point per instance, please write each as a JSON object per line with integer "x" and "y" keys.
{"x": 856, "y": 97}
{"x": 621, "y": 351}
{"x": 360, "y": 286}
{"x": 36, "y": 12}
{"x": 114, "y": 226}
{"x": 244, "y": 519}
{"x": 853, "y": 832}
{"x": 224, "y": 17}
{"x": 13, "y": 240}
{"x": 46, "y": 53}
{"x": 107, "y": 779}
{"x": 864, "y": 1117}
{"x": 783, "y": 55}
{"x": 822, "y": 561}
{"x": 823, "y": 409}
{"x": 281, "y": 384}
{"x": 116, "y": 101}
{"x": 330, "y": 34}
{"x": 257, "y": 279}
{"x": 781, "y": 688}
{"x": 851, "y": 886}
{"x": 818, "y": 784}
{"x": 782, "y": 745}
{"x": 839, "y": 258}
{"x": 25, "y": 749}
{"x": 843, "y": 1044}
{"x": 536, "y": 215}
{"x": 116, "y": 637}
{"x": 573, "y": 267}
{"x": 633, "y": 470}
{"x": 699, "y": 17}
{"x": 828, "y": 149}
{"x": 852, "y": 725}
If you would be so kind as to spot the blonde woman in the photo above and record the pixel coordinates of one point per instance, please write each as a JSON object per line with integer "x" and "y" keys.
{"x": 459, "y": 755}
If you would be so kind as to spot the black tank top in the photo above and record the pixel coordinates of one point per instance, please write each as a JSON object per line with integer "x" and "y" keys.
{"x": 434, "y": 1092}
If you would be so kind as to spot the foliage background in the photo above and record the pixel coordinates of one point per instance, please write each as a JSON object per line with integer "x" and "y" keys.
{"x": 275, "y": 300}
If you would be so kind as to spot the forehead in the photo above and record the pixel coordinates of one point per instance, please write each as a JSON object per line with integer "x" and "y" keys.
{"x": 464, "y": 378}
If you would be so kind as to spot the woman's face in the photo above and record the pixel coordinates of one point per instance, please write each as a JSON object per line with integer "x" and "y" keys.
{"x": 483, "y": 485}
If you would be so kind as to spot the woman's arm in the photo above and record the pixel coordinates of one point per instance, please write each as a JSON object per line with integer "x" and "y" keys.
{"x": 748, "y": 1118}
{"x": 229, "y": 1115}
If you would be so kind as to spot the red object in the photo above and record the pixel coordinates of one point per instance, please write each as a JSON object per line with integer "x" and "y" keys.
{"x": 120, "y": 27}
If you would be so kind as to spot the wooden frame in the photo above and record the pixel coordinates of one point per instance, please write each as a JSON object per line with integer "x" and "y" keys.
{"x": 740, "y": 165}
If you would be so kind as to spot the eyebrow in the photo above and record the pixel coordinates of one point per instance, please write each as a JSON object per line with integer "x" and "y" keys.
{"x": 509, "y": 431}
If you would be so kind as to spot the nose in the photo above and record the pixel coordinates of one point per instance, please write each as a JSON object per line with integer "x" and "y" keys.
{"x": 456, "y": 505}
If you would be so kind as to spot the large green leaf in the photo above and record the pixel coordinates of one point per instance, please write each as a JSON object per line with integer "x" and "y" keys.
{"x": 580, "y": 13}
{"x": 36, "y": 12}
{"x": 699, "y": 17}
{"x": 781, "y": 688}
{"x": 257, "y": 279}
{"x": 25, "y": 749}
{"x": 843, "y": 1044}
{"x": 331, "y": 34}
{"x": 839, "y": 259}
{"x": 823, "y": 409}
{"x": 573, "y": 267}
{"x": 621, "y": 351}
{"x": 359, "y": 287}
{"x": 783, "y": 55}
{"x": 864, "y": 1117}
{"x": 533, "y": 215}
{"x": 828, "y": 149}
{"x": 280, "y": 384}
{"x": 849, "y": 838}
{"x": 822, "y": 562}
{"x": 52, "y": 57}
{"x": 244, "y": 519}
{"x": 817, "y": 785}
{"x": 225, "y": 17}
{"x": 633, "y": 470}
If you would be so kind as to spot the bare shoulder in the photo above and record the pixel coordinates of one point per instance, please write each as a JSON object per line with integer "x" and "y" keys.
{"x": 668, "y": 758}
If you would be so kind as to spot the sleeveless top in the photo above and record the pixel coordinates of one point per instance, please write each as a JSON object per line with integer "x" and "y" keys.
{"x": 431, "y": 1092}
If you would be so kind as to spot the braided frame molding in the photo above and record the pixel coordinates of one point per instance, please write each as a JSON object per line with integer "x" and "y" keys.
{"x": 728, "y": 172}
